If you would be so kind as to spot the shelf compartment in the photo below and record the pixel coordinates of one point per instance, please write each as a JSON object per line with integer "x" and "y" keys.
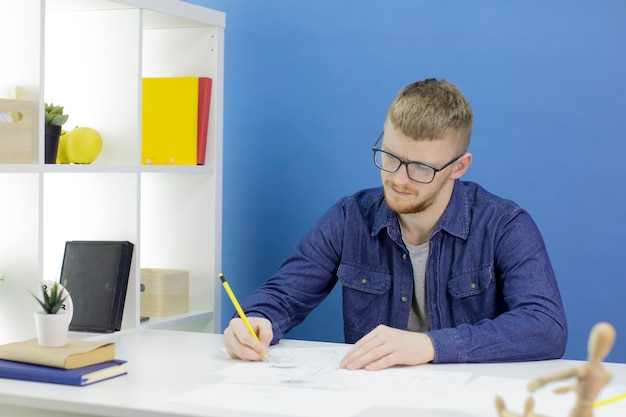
{"x": 177, "y": 225}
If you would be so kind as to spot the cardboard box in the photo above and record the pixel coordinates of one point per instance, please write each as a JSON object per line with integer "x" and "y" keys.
{"x": 165, "y": 292}
{"x": 16, "y": 135}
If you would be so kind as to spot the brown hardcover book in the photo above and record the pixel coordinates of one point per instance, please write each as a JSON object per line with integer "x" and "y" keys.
{"x": 75, "y": 354}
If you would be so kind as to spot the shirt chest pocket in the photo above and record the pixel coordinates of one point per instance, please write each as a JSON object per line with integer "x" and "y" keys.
{"x": 365, "y": 298}
{"x": 472, "y": 295}
{"x": 364, "y": 280}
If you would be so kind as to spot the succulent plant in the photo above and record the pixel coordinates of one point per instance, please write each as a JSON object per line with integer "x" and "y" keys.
{"x": 52, "y": 301}
{"x": 54, "y": 115}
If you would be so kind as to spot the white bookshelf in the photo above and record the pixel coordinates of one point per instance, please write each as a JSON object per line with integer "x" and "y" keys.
{"x": 90, "y": 57}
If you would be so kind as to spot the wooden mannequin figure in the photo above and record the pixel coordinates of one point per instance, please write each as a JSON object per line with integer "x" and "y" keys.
{"x": 528, "y": 409}
{"x": 591, "y": 377}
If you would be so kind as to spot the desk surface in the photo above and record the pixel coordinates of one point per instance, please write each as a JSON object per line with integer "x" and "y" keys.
{"x": 166, "y": 364}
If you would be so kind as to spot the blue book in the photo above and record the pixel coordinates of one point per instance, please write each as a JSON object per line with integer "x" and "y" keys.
{"x": 77, "y": 376}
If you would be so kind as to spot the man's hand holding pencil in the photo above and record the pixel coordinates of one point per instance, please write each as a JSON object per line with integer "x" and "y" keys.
{"x": 241, "y": 344}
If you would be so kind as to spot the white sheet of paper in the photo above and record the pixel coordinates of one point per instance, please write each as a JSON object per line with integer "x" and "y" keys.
{"x": 274, "y": 400}
{"x": 303, "y": 382}
{"x": 307, "y": 382}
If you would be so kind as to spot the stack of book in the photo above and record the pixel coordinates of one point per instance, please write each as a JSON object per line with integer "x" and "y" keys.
{"x": 79, "y": 362}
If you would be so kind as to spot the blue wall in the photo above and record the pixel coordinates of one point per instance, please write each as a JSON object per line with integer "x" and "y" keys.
{"x": 307, "y": 87}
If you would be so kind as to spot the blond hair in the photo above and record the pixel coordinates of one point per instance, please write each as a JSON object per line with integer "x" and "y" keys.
{"x": 431, "y": 109}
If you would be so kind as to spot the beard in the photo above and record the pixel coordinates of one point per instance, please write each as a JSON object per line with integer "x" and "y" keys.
{"x": 412, "y": 205}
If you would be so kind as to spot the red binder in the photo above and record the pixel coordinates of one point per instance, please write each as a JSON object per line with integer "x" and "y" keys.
{"x": 204, "y": 105}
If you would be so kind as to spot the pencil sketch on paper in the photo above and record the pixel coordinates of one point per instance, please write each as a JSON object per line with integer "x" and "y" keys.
{"x": 319, "y": 369}
{"x": 303, "y": 367}
{"x": 295, "y": 357}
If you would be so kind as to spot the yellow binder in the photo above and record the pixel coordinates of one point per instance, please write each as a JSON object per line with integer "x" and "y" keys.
{"x": 169, "y": 121}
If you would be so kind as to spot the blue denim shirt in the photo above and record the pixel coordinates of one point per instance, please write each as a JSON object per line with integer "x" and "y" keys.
{"x": 491, "y": 291}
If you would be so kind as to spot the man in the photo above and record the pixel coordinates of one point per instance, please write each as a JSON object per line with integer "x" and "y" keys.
{"x": 432, "y": 269}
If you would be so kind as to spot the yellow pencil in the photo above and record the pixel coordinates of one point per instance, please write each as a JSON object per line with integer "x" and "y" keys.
{"x": 609, "y": 400}
{"x": 232, "y": 297}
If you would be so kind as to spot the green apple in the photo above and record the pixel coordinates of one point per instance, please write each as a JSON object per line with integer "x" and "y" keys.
{"x": 82, "y": 145}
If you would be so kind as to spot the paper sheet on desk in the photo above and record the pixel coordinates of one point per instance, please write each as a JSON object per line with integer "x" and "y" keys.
{"x": 273, "y": 400}
{"x": 319, "y": 368}
{"x": 307, "y": 382}
{"x": 316, "y": 386}
{"x": 277, "y": 400}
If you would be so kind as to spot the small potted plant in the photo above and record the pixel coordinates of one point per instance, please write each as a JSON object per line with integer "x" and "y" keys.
{"x": 52, "y": 322}
{"x": 54, "y": 119}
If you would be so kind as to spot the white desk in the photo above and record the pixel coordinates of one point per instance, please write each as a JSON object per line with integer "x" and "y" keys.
{"x": 163, "y": 364}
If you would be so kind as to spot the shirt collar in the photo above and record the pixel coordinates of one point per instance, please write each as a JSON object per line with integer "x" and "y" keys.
{"x": 385, "y": 218}
{"x": 455, "y": 219}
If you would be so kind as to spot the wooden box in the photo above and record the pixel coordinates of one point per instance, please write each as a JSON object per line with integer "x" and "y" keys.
{"x": 16, "y": 132}
{"x": 164, "y": 292}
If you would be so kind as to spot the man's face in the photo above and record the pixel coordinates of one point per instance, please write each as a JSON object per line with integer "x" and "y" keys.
{"x": 402, "y": 194}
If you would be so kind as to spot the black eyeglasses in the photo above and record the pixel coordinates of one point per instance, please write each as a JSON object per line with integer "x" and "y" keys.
{"x": 416, "y": 171}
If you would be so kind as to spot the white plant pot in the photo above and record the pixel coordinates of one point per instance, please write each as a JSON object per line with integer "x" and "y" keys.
{"x": 52, "y": 329}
